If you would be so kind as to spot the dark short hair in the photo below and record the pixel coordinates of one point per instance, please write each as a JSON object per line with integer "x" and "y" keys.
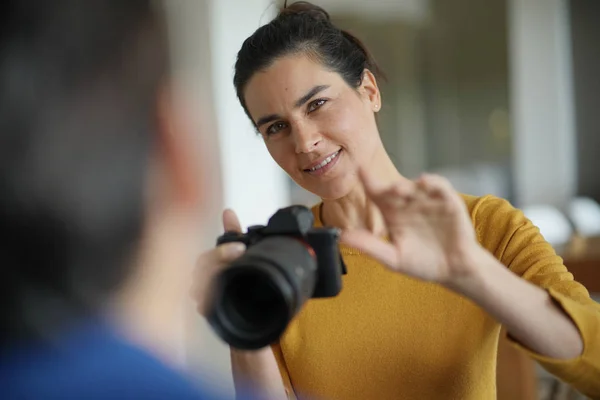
{"x": 303, "y": 28}
{"x": 78, "y": 95}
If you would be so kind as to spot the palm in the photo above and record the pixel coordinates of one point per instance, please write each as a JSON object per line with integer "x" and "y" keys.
{"x": 428, "y": 226}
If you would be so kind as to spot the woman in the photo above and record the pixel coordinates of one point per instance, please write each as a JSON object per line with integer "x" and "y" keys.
{"x": 432, "y": 274}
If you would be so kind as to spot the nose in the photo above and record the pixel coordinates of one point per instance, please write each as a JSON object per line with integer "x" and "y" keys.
{"x": 306, "y": 138}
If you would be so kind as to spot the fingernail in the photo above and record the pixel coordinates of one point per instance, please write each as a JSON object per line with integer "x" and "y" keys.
{"x": 232, "y": 250}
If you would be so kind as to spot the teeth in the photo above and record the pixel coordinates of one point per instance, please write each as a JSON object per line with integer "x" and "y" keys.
{"x": 325, "y": 161}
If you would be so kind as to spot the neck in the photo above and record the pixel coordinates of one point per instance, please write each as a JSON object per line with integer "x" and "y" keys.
{"x": 356, "y": 210}
{"x": 149, "y": 309}
{"x": 157, "y": 328}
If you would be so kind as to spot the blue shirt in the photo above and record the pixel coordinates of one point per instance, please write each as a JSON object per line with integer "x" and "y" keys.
{"x": 91, "y": 362}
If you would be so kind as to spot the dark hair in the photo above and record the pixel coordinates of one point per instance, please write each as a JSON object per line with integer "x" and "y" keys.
{"x": 78, "y": 96}
{"x": 303, "y": 27}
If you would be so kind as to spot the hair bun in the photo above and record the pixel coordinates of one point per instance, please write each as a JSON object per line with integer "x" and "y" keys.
{"x": 304, "y": 8}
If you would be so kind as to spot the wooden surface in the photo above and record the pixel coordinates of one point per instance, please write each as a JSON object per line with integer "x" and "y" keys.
{"x": 582, "y": 258}
{"x": 516, "y": 375}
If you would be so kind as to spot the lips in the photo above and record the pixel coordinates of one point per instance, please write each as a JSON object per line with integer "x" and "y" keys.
{"x": 323, "y": 162}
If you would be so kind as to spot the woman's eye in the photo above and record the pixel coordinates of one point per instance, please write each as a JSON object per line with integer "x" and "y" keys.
{"x": 316, "y": 104}
{"x": 276, "y": 127}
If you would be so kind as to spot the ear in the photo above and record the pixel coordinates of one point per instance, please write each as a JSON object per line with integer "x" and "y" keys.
{"x": 370, "y": 90}
{"x": 179, "y": 152}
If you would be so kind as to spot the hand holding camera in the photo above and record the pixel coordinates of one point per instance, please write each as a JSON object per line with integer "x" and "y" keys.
{"x": 287, "y": 262}
{"x": 211, "y": 262}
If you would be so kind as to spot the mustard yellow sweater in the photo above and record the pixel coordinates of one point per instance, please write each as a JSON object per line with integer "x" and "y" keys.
{"x": 388, "y": 336}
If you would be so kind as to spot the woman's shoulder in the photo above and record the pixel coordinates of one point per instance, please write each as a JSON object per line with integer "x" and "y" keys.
{"x": 496, "y": 221}
{"x": 489, "y": 208}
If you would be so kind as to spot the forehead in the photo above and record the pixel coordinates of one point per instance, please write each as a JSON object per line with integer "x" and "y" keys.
{"x": 284, "y": 82}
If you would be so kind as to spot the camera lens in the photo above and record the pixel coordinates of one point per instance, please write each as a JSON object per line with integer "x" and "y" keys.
{"x": 257, "y": 295}
{"x": 253, "y": 306}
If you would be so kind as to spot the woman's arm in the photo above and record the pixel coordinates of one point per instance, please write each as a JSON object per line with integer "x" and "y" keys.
{"x": 257, "y": 372}
{"x": 526, "y": 286}
{"x": 528, "y": 312}
{"x": 432, "y": 237}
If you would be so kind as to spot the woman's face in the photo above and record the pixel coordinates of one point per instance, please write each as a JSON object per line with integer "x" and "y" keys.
{"x": 316, "y": 127}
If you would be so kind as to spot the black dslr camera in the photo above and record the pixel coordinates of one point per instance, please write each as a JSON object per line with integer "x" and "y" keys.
{"x": 286, "y": 263}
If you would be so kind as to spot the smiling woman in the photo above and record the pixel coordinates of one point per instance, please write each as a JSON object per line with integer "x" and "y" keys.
{"x": 432, "y": 274}
{"x": 318, "y": 123}
{"x": 309, "y": 116}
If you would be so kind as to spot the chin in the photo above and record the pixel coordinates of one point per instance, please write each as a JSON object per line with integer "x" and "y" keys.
{"x": 334, "y": 189}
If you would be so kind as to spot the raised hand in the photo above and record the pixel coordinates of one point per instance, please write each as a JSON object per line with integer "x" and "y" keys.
{"x": 430, "y": 234}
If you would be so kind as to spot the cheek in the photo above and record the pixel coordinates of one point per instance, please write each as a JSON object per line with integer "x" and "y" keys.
{"x": 346, "y": 125}
{"x": 283, "y": 154}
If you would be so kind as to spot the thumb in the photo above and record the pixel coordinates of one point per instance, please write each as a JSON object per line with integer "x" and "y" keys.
{"x": 231, "y": 222}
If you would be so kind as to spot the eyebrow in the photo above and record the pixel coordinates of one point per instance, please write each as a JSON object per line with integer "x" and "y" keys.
{"x": 301, "y": 101}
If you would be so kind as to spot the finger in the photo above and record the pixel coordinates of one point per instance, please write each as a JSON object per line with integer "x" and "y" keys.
{"x": 231, "y": 223}
{"x": 222, "y": 254}
{"x": 211, "y": 263}
{"x": 219, "y": 256}
{"x": 430, "y": 206}
{"x": 436, "y": 185}
{"x": 396, "y": 194}
{"x": 371, "y": 245}
{"x": 442, "y": 189}
{"x": 230, "y": 251}
{"x": 402, "y": 192}
{"x": 372, "y": 187}
{"x": 424, "y": 196}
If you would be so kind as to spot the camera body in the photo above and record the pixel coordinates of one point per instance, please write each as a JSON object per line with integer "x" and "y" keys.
{"x": 297, "y": 222}
{"x": 286, "y": 263}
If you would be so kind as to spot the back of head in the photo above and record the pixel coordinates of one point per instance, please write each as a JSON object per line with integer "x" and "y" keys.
{"x": 78, "y": 88}
{"x": 303, "y": 28}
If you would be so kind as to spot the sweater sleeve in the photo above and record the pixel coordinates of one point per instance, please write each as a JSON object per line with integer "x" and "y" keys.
{"x": 285, "y": 375}
{"x": 518, "y": 244}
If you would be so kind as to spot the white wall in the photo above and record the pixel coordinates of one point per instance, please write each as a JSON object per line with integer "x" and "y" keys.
{"x": 253, "y": 184}
{"x": 206, "y": 36}
{"x": 542, "y": 102}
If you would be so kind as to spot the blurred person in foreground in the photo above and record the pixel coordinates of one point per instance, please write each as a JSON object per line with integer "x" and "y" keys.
{"x": 101, "y": 195}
